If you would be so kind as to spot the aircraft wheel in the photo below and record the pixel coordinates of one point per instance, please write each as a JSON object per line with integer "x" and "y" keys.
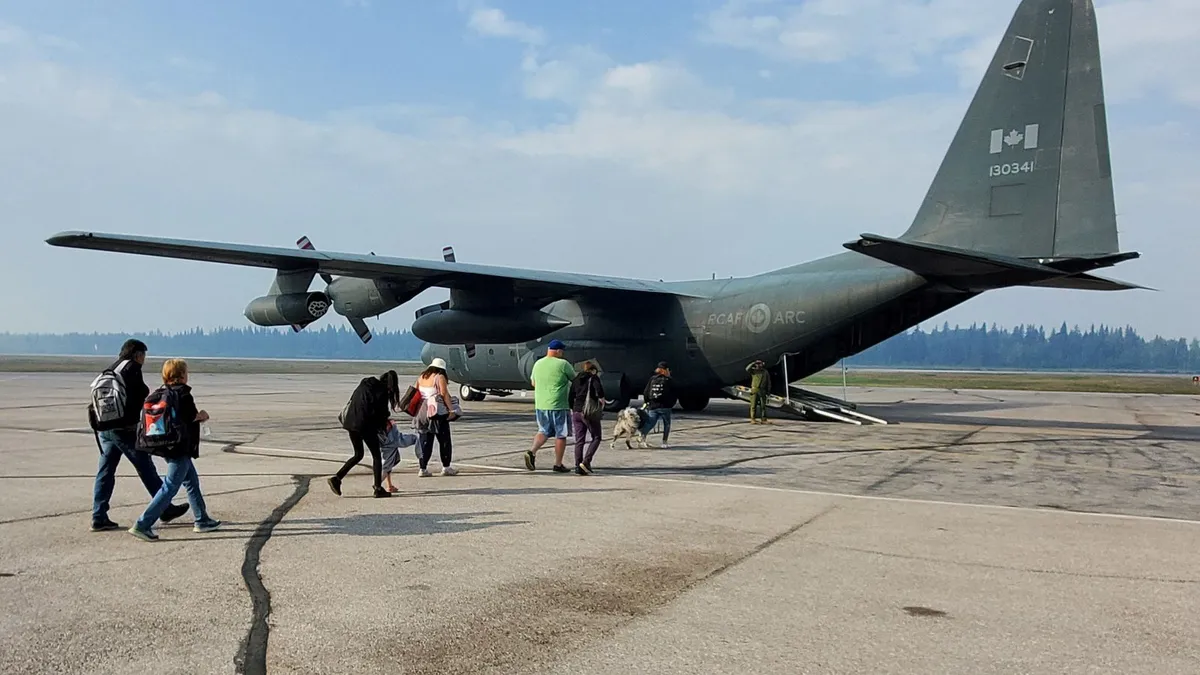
{"x": 694, "y": 402}
{"x": 468, "y": 394}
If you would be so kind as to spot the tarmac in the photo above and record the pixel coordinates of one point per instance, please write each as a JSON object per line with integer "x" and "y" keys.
{"x": 980, "y": 532}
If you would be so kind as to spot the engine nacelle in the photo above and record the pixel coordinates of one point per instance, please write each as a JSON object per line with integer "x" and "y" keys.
{"x": 461, "y": 326}
{"x": 287, "y": 309}
{"x": 364, "y": 298}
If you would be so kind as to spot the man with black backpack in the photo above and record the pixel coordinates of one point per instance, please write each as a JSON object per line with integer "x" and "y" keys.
{"x": 660, "y": 398}
{"x": 117, "y": 397}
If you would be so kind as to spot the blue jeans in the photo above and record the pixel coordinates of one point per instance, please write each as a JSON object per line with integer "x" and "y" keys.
{"x": 180, "y": 471}
{"x": 113, "y": 444}
{"x": 652, "y": 418}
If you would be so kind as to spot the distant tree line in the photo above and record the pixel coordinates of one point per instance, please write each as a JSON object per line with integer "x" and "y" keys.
{"x": 977, "y": 347}
{"x": 251, "y": 342}
{"x": 1033, "y": 348}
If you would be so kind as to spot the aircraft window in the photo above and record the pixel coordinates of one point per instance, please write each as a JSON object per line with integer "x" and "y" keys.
{"x": 1018, "y": 57}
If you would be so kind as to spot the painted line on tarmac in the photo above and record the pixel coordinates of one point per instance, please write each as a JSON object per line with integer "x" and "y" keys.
{"x": 800, "y": 491}
{"x": 343, "y": 456}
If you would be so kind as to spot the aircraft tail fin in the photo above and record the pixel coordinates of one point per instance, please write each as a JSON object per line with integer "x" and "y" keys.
{"x": 1028, "y": 174}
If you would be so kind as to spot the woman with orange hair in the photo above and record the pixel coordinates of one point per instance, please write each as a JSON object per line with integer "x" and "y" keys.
{"x": 170, "y": 428}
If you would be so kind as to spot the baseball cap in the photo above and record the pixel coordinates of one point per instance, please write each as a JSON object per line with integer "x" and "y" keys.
{"x": 555, "y": 344}
{"x": 663, "y": 365}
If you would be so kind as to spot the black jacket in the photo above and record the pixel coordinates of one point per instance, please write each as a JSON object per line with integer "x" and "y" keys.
{"x": 369, "y": 409}
{"x": 579, "y": 388}
{"x": 189, "y": 445}
{"x": 669, "y": 396}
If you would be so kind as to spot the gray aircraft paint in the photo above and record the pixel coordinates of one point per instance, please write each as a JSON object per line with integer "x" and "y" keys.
{"x": 1023, "y": 197}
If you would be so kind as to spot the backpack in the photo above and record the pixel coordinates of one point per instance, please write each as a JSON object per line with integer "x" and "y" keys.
{"x": 658, "y": 388}
{"x": 108, "y": 399}
{"x": 159, "y": 426}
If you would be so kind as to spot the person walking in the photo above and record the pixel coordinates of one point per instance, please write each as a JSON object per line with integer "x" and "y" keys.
{"x": 435, "y": 394}
{"x": 170, "y": 428}
{"x": 365, "y": 418}
{"x": 660, "y": 398}
{"x": 587, "y": 407}
{"x": 123, "y": 380}
{"x": 551, "y": 379}
{"x": 760, "y": 388}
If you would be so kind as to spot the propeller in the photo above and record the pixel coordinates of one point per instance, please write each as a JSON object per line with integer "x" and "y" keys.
{"x": 359, "y": 326}
{"x": 448, "y": 256}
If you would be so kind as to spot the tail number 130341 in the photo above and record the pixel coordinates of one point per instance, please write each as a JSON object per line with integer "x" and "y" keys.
{"x": 1009, "y": 169}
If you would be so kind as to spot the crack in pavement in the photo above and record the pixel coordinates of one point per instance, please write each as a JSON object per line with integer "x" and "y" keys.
{"x": 252, "y": 653}
{"x": 1010, "y": 568}
{"x": 81, "y": 512}
{"x": 908, "y": 467}
{"x": 763, "y": 546}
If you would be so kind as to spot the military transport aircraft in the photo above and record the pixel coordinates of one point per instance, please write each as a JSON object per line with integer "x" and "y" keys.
{"x": 1023, "y": 197}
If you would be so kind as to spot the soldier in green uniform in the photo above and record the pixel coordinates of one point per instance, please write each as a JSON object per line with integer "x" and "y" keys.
{"x": 760, "y": 387}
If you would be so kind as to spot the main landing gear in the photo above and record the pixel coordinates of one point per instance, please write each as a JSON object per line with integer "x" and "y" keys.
{"x": 466, "y": 393}
{"x": 693, "y": 402}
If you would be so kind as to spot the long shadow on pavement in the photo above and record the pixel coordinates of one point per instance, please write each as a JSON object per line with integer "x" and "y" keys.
{"x": 400, "y": 524}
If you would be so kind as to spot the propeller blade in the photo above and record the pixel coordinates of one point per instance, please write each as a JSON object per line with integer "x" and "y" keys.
{"x": 305, "y": 244}
{"x": 360, "y": 327}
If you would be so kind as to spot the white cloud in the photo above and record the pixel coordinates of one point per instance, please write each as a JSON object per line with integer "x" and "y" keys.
{"x": 1150, "y": 46}
{"x": 567, "y": 78}
{"x": 655, "y": 174}
{"x": 492, "y": 22}
{"x": 15, "y": 37}
{"x": 892, "y": 34}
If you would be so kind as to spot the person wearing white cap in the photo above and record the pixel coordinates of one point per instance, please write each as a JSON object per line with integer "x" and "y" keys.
{"x": 435, "y": 394}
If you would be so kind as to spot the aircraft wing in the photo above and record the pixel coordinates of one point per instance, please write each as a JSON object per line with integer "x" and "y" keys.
{"x": 530, "y": 284}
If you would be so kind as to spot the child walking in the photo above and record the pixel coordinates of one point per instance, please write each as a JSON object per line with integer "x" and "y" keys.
{"x": 170, "y": 428}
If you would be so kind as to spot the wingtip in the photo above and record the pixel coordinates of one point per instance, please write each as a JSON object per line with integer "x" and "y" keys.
{"x": 66, "y": 237}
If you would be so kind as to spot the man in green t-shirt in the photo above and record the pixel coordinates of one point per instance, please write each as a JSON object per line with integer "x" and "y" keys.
{"x": 551, "y": 380}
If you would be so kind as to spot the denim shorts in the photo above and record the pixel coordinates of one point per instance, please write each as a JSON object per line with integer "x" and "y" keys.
{"x": 554, "y": 423}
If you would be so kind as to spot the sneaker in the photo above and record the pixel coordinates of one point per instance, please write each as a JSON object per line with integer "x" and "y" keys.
{"x": 105, "y": 526}
{"x": 529, "y": 460}
{"x": 559, "y": 468}
{"x": 423, "y": 473}
{"x": 587, "y": 466}
{"x": 380, "y": 493}
{"x": 579, "y": 471}
{"x": 173, "y": 511}
{"x": 206, "y": 525}
{"x": 449, "y": 471}
{"x": 144, "y": 535}
{"x": 335, "y": 484}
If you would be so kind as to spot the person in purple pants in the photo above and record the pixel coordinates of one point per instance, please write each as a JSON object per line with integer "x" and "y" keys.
{"x": 587, "y": 407}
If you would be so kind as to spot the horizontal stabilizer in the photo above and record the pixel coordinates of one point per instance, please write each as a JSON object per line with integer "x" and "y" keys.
{"x": 975, "y": 271}
{"x": 1084, "y": 264}
{"x": 1088, "y": 282}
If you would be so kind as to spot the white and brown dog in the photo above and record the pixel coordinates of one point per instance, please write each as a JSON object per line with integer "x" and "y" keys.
{"x": 630, "y": 422}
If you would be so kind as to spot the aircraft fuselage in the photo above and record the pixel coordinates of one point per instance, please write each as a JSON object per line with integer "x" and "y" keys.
{"x": 810, "y": 315}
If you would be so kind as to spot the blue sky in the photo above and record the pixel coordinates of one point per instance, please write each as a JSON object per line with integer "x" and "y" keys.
{"x": 660, "y": 140}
